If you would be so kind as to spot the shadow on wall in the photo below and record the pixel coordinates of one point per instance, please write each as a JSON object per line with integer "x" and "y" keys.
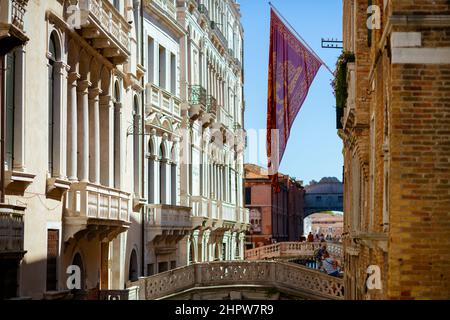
{"x": 47, "y": 278}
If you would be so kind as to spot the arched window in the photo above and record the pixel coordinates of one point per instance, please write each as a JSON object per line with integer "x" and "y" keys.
{"x": 162, "y": 175}
{"x": 151, "y": 173}
{"x": 136, "y": 147}
{"x": 173, "y": 178}
{"x": 117, "y": 124}
{"x": 51, "y": 100}
{"x": 133, "y": 273}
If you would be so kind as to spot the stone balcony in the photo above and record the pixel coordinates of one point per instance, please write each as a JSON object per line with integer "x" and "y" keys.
{"x": 162, "y": 221}
{"x": 93, "y": 210}
{"x": 197, "y": 99}
{"x": 211, "y": 213}
{"x": 211, "y": 111}
{"x": 218, "y": 38}
{"x": 166, "y": 6}
{"x": 106, "y": 30}
{"x": 12, "y": 33}
{"x": 11, "y": 229}
{"x": 160, "y": 100}
{"x": 224, "y": 120}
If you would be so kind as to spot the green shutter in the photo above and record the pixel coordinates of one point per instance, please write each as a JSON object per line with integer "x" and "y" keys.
{"x": 50, "y": 116}
{"x": 10, "y": 88}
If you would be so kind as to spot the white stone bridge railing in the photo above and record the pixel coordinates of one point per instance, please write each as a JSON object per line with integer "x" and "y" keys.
{"x": 271, "y": 274}
{"x": 292, "y": 250}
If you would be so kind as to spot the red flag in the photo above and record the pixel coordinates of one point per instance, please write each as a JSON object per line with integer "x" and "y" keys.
{"x": 292, "y": 68}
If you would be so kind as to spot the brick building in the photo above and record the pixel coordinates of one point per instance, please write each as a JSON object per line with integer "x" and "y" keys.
{"x": 395, "y": 129}
{"x": 273, "y": 217}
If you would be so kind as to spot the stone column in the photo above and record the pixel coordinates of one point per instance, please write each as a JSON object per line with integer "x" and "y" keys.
{"x": 242, "y": 245}
{"x": 106, "y": 141}
{"x": 72, "y": 128}
{"x": 118, "y": 178}
{"x": 94, "y": 129}
{"x": 83, "y": 130}
{"x": 194, "y": 238}
{"x": 233, "y": 246}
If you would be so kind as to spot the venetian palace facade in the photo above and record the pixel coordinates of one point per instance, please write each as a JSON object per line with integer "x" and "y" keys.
{"x": 113, "y": 112}
{"x": 396, "y": 149}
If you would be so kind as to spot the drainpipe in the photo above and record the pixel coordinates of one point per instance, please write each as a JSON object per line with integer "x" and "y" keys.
{"x": 141, "y": 44}
{"x": 3, "y": 126}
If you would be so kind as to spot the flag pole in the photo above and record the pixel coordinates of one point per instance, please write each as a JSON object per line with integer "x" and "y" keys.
{"x": 291, "y": 28}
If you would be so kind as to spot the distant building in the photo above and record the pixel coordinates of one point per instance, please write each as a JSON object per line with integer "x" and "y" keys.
{"x": 273, "y": 217}
{"x": 326, "y": 195}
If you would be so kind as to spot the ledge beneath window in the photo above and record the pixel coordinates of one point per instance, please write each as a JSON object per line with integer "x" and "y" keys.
{"x": 57, "y": 187}
{"x": 17, "y": 182}
{"x": 138, "y": 203}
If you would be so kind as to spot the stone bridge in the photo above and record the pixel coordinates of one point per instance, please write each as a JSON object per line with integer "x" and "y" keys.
{"x": 237, "y": 276}
{"x": 290, "y": 250}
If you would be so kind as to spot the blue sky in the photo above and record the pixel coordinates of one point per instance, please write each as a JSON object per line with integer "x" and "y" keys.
{"x": 314, "y": 149}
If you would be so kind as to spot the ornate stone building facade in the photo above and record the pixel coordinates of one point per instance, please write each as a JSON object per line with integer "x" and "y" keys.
{"x": 395, "y": 133}
{"x": 212, "y": 126}
{"x": 95, "y": 103}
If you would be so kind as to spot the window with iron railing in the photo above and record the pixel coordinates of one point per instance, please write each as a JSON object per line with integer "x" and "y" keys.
{"x": 197, "y": 95}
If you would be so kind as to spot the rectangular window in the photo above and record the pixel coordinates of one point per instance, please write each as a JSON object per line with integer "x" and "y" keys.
{"x": 10, "y": 109}
{"x": 248, "y": 195}
{"x": 151, "y": 60}
{"x": 162, "y": 67}
{"x": 52, "y": 259}
{"x": 173, "y": 265}
{"x": 150, "y": 269}
{"x": 173, "y": 74}
{"x": 163, "y": 267}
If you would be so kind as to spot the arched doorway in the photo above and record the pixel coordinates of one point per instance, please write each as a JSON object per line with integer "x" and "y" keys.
{"x": 330, "y": 224}
{"x": 133, "y": 273}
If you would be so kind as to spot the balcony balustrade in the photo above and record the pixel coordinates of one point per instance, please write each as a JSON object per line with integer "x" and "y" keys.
{"x": 197, "y": 99}
{"x": 292, "y": 250}
{"x": 161, "y": 100}
{"x": 203, "y": 9}
{"x": 11, "y": 229}
{"x": 217, "y": 33}
{"x": 167, "y": 6}
{"x": 12, "y": 13}
{"x": 304, "y": 282}
{"x": 168, "y": 217}
{"x": 228, "y": 212}
{"x": 243, "y": 216}
{"x": 224, "y": 119}
{"x": 91, "y": 208}
{"x": 211, "y": 105}
{"x": 167, "y": 222}
{"x": 106, "y": 29}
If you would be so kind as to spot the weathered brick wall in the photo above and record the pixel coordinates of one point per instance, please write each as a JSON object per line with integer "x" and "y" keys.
{"x": 410, "y": 103}
{"x": 420, "y": 6}
{"x": 420, "y": 172}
